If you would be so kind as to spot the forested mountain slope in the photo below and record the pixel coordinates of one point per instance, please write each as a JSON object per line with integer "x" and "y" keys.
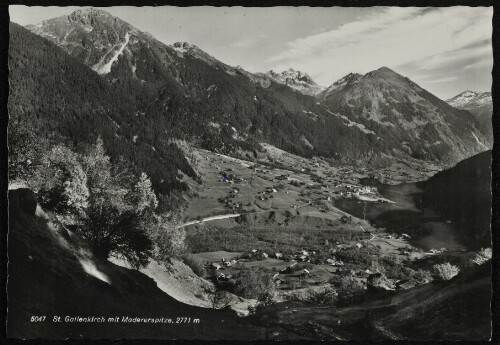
{"x": 190, "y": 94}
{"x": 51, "y": 91}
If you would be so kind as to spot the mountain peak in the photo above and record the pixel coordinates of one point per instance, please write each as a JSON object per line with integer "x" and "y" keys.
{"x": 468, "y": 93}
{"x": 88, "y": 14}
{"x": 385, "y": 69}
{"x": 383, "y": 72}
{"x": 347, "y": 80}
{"x": 291, "y": 75}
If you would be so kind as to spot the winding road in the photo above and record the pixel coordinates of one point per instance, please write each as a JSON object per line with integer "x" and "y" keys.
{"x": 209, "y": 219}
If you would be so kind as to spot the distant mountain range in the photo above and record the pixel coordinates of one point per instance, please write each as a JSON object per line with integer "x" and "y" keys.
{"x": 480, "y": 104}
{"x": 387, "y": 102}
{"x": 179, "y": 91}
{"x": 470, "y": 100}
{"x": 296, "y": 80}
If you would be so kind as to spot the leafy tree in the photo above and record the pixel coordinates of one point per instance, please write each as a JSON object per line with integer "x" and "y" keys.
{"x": 168, "y": 238}
{"x": 104, "y": 202}
{"x": 349, "y": 289}
{"x": 255, "y": 283}
{"x": 61, "y": 181}
{"x": 144, "y": 198}
{"x": 110, "y": 231}
{"x": 106, "y": 186}
{"x": 324, "y": 297}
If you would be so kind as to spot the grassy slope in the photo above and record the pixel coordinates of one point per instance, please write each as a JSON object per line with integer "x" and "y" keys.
{"x": 46, "y": 278}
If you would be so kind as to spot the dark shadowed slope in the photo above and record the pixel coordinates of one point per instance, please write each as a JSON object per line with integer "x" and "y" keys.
{"x": 467, "y": 200}
{"x": 51, "y": 273}
{"x": 455, "y": 310}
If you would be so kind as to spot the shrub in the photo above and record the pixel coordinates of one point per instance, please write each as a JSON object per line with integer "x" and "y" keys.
{"x": 197, "y": 265}
{"x": 349, "y": 290}
{"x": 395, "y": 270}
{"x": 481, "y": 257}
{"x": 325, "y": 297}
{"x": 421, "y": 277}
{"x": 255, "y": 283}
{"x": 446, "y": 271}
{"x": 169, "y": 239}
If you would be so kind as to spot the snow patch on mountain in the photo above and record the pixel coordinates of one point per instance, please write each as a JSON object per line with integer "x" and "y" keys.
{"x": 103, "y": 67}
{"x": 479, "y": 142}
{"x": 469, "y": 99}
{"x": 182, "y": 47}
{"x": 296, "y": 80}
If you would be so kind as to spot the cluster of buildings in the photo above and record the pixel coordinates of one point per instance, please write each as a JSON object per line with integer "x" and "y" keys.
{"x": 266, "y": 194}
{"x": 229, "y": 202}
{"x": 352, "y": 191}
{"x": 437, "y": 251}
{"x": 229, "y": 178}
{"x": 217, "y": 266}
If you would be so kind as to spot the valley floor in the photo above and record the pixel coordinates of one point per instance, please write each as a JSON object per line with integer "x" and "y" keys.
{"x": 279, "y": 214}
{"x": 245, "y": 216}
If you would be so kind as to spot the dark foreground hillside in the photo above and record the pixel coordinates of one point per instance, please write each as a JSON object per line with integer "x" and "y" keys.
{"x": 47, "y": 278}
{"x": 454, "y": 310}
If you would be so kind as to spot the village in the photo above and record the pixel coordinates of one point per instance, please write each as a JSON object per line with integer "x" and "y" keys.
{"x": 284, "y": 223}
{"x": 304, "y": 269}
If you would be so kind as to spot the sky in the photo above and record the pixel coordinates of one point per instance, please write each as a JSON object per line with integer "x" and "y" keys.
{"x": 444, "y": 50}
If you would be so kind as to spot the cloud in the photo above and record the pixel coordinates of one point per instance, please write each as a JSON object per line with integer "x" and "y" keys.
{"x": 449, "y": 60}
{"x": 249, "y": 42}
{"x": 442, "y": 80}
{"x": 415, "y": 41}
{"x": 447, "y": 67}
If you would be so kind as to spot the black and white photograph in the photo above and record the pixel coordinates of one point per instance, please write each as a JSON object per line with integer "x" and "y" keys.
{"x": 250, "y": 173}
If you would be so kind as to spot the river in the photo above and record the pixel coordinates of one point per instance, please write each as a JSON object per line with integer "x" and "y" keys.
{"x": 406, "y": 215}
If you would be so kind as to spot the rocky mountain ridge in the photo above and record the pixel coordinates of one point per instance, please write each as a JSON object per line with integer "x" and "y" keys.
{"x": 470, "y": 99}
{"x": 359, "y": 116}
{"x": 296, "y": 80}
